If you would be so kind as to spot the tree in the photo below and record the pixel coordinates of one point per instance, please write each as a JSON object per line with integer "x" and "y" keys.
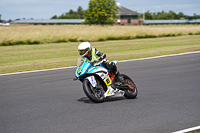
{"x": 148, "y": 15}
{"x": 9, "y": 20}
{"x": 154, "y": 15}
{"x": 101, "y": 12}
{"x": 163, "y": 15}
{"x": 180, "y": 15}
{"x": 0, "y": 16}
{"x": 54, "y": 17}
{"x": 80, "y": 12}
{"x": 172, "y": 15}
{"x": 71, "y": 12}
{"x": 70, "y": 15}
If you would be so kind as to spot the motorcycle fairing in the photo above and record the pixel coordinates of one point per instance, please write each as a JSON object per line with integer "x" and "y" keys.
{"x": 82, "y": 67}
{"x": 109, "y": 92}
{"x": 92, "y": 81}
{"x": 102, "y": 73}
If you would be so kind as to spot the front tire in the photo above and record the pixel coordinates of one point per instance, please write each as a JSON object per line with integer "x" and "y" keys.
{"x": 94, "y": 94}
{"x": 131, "y": 90}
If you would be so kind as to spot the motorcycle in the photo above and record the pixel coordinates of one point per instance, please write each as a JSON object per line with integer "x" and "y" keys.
{"x": 98, "y": 82}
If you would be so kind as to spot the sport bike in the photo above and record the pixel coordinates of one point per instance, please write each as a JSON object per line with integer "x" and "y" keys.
{"x": 98, "y": 82}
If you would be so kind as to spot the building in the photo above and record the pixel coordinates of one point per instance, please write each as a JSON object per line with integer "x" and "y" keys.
{"x": 49, "y": 21}
{"x": 127, "y": 16}
{"x": 3, "y": 22}
{"x": 175, "y": 21}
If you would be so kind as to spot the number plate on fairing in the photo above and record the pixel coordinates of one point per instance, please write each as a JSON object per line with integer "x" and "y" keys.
{"x": 108, "y": 81}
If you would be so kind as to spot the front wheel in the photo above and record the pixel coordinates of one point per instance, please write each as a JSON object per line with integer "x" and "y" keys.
{"x": 94, "y": 94}
{"x": 131, "y": 89}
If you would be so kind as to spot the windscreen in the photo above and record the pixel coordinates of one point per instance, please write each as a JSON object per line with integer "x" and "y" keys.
{"x": 79, "y": 62}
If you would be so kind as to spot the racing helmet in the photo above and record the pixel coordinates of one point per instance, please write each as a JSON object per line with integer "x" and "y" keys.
{"x": 84, "y": 48}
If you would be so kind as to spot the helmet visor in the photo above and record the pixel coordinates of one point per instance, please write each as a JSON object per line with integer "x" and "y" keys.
{"x": 81, "y": 52}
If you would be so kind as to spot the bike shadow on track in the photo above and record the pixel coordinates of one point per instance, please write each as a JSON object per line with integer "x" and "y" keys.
{"x": 111, "y": 99}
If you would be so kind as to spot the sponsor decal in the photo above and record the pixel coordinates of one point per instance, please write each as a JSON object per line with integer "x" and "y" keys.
{"x": 92, "y": 80}
{"x": 108, "y": 91}
{"x": 108, "y": 81}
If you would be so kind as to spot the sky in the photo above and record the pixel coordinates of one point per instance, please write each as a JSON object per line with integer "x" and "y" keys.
{"x": 45, "y": 9}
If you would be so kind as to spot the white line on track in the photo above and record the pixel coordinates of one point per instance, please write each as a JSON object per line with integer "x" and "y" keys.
{"x": 188, "y": 130}
{"x": 37, "y": 71}
{"x": 118, "y": 61}
{"x": 161, "y": 56}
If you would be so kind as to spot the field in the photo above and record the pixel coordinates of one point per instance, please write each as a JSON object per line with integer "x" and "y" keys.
{"x": 15, "y": 35}
{"x": 20, "y": 58}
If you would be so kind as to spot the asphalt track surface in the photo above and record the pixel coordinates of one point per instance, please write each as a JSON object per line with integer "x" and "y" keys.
{"x": 51, "y": 102}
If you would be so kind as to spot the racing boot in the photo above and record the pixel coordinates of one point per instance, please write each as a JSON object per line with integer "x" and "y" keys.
{"x": 117, "y": 82}
{"x": 114, "y": 85}
{"x": 119, "y": 79}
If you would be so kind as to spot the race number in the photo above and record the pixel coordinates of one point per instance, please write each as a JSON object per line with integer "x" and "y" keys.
{"x": 108, "y": 81}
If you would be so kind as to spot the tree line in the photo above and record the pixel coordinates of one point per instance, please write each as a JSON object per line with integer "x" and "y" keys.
{"x": 79, "y": 14}
{"x": 167, "y": 15}
{"x": 71, "y": 14}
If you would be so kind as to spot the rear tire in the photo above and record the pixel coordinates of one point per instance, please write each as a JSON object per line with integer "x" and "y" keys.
{"x": 131, "y": 92}
{"x": 94, "y": 94}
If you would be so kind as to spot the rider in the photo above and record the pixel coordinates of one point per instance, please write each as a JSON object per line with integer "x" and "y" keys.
{"x": 94, "y": 56}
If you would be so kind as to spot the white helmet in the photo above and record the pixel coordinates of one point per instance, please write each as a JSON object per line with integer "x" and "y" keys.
{"x": 84, "y": 48}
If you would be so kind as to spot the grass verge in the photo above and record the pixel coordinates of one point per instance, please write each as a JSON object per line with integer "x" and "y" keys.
{"x": 17, "y": 35}
{"x": 36, "y": 57}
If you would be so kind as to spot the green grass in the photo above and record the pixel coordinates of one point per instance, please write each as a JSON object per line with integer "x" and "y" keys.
{"x": 36, "y": 57}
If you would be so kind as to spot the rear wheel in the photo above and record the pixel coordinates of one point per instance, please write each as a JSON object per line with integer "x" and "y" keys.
{"x": 131, "y": 89}
{"x": 94, "y": 94}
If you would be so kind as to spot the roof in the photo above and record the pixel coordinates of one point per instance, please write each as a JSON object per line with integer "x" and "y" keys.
{"x": 125, "y": 11}
{"x": 2, "y": 21}
{"x": 175, "y": 21}
{"x": 50, "y": 21}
